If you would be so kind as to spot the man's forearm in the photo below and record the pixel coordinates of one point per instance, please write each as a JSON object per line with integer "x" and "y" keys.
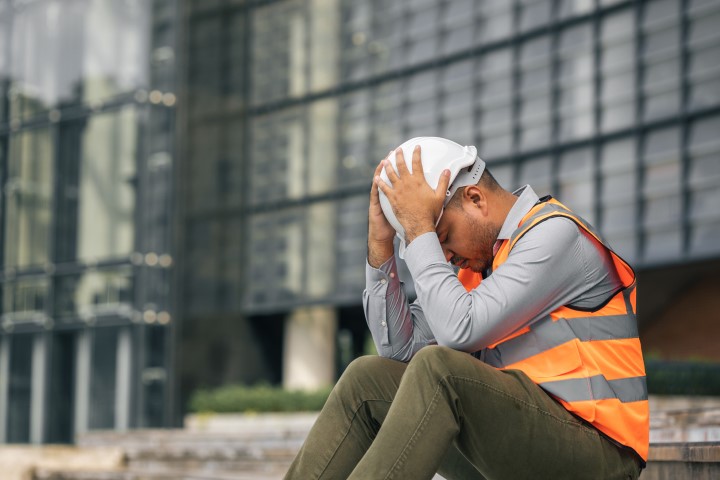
{"x": 379, "y": 253}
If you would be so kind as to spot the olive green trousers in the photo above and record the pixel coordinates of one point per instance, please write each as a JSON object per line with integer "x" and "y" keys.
{"x": 447, "y": 412}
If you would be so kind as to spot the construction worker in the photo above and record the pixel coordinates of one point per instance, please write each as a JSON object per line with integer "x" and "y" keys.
{"x": 525, "y": 364}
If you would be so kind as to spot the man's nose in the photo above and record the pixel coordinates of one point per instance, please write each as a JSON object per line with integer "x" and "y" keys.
{"x": 448, "y": 254}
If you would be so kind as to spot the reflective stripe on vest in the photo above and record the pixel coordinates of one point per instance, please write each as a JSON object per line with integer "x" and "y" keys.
{"x": 548, "y": 334}
{"x": 590, "y": 360}
{"x": 597, "y": 388}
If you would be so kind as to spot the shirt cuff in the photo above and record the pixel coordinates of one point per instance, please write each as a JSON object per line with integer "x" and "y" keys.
{"x": 378, "y": 280}
{"x": 423, "y": 252}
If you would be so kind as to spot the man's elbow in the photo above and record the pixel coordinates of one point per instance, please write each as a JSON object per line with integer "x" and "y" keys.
{"x": 456, "y": 343}
{"x": 392, "y": 354}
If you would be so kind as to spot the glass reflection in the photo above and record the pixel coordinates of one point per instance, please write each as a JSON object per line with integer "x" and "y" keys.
{"x": 106, "y": 189}
{"x": 29, "y": 198}
{"x": 81, "y": 51}
{"x": 94, "y": 293}
{"x": 26, "y": 296}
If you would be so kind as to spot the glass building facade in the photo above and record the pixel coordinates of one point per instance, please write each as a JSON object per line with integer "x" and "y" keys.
{"x": 612, "y": 106}
{"x": 192, "y": 176}
{"x": 87, "y": 98}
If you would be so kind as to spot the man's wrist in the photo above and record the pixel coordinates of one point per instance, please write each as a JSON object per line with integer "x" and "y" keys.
{"x": 379, "y": 253}
{"x": 414, "y": 231}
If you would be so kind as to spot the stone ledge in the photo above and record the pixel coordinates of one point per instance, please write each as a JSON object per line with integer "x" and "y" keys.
{"x": 705, "y": 452}
{"x": 21, "y": 462}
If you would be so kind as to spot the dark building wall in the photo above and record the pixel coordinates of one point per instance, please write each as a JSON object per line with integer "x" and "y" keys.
{"x": 679, "y": 311}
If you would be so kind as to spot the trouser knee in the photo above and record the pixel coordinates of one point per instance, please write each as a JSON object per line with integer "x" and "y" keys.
{"x": 434, "y": 361}
{"x": 359, "y": 375}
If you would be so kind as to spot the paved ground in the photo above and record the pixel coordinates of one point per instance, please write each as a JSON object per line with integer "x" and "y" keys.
{"x": 260, "y": 447}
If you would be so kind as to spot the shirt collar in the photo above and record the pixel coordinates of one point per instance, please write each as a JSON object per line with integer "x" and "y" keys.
{"x": 527, "y": 198}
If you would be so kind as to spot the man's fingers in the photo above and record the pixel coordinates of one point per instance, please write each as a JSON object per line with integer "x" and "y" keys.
{"x": 400, "y": 162}
{"x": 392, "y": 175}
{"x": 379, "y": 168}
{"x": 443, "y": 183}
{"x": 417, "y": 160}
{"x": 374, "y": 198}
{"x": 382, "y": 186}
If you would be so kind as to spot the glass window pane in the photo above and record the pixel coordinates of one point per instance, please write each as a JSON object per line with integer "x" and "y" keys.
{"x": 577, "y": 127}
{"x": 534, "y": 13}
{"x": 618, "y": 116}
{"x": 617, "y": 26}
{"x": 704, "y": 185}
{"x": 95, "y": 293}
{"x": 662, "y": 244}
{"x": 617, "y": 195}
{"x": 705, "y": 93}
{"x": 661, "y": 105}
{"x": 624, "y": 244}
{"x": 661, "y": 187}
{"x": 285, "y": 244}
{"x": 703, "y": 238}
{"x": 704, "y": 203}
{"x": 106, "y": 187}
{"x": 272, "y": 37}
{"x": 351, "y": 245}
{"x": 705, "y": 151}
{"x": 536, "y": 172}
{"x": 704, "y": 27}
{"x": 503, "y": 173}
{"x": 25, "y": 298}
{"x": 577, "y": 184}
{"x": 497, "y": 21}
{"x": 619, "y": 155}
{"x": 71, "y": 52}
{"x": 569, "y": 8}
{"x": 29, "y": 191}
{"x": 617, "y": 86}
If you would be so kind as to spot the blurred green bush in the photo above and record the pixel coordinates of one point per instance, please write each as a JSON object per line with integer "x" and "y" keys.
{"x": 663, "y": 378}
{"x": 682, "y": 377}
{"x": 258, "y": 398}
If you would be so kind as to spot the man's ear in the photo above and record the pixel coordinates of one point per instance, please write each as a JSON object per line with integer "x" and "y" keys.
{"x": 475, "y": 199}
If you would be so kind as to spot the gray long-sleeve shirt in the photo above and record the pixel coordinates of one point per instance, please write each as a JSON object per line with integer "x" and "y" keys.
{"x": 552, "y": 265}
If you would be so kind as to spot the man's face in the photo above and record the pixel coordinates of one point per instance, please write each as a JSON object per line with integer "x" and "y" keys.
{"x": 467, "y": 239}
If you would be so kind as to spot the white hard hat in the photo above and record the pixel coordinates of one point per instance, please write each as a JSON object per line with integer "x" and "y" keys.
{"x": 438, "y": 154}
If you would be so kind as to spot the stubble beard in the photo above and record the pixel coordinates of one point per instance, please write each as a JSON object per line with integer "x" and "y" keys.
{"x": 484, "y": 237}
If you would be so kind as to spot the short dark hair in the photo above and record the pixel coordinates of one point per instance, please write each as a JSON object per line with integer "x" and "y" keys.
{"x": 487, "y": 181}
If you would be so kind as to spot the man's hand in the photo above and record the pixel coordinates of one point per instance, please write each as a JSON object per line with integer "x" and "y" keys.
{"x": 416, "y": 205}
{"x": 380, "y": 232}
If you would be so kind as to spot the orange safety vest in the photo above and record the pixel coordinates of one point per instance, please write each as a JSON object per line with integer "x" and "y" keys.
{"x": 588, "y": 359}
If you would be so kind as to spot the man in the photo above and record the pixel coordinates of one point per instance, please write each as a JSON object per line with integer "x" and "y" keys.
{"x": 534, "y": 371}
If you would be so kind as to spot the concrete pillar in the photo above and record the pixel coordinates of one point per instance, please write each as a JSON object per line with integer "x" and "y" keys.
{"x": 309, "y": 348}
{"x": 4, "y": 380}
{"x": 309, "y": 344}
{"x": 123, "y": 371}
{"x": 82, "y": 381}
{"x": 37, "y": 389}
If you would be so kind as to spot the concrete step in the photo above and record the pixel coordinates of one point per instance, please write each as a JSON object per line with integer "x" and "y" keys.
{"x": 221, "y": 447}
{"x": 679, "y": 461}
{"x": 206, "y": 452}
{"x": 134, "y": 474}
